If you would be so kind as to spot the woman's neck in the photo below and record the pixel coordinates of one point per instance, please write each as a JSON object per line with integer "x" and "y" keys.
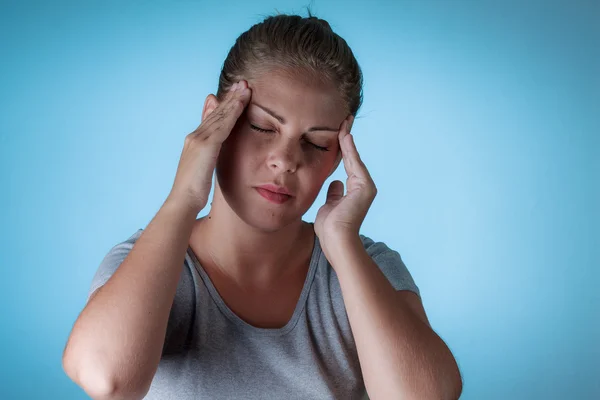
{"x": 247, "y": 255}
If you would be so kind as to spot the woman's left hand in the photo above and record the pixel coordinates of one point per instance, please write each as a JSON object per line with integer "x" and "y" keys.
{"x": 341, "y": 216}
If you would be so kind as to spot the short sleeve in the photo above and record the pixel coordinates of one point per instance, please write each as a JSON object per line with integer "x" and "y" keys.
{"x": 182, "y": 309}
{"x": 391, "y": 264}
{"x": 111, "y": 262}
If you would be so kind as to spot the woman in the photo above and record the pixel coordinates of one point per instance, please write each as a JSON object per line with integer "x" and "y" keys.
{"x": 251, "y": 301}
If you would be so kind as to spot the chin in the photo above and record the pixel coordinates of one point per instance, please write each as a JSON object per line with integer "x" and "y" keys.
{"x": 266, "y": 225}
{"x": 261, "y": 214}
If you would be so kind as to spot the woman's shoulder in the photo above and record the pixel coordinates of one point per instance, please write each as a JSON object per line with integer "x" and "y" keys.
{"x": 136, "y": 235}
{"x": 374, "y": 247}
{"x": 389, "y": 261}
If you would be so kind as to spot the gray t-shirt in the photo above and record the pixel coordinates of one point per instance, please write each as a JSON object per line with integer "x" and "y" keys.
{"x": 211, "y": 353}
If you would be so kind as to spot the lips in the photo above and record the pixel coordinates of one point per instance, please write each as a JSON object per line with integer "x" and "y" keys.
{"x": 276, "y": 189}
{"x": 273, "y": 193}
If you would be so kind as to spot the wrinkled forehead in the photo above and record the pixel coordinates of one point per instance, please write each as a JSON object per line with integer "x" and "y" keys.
{"x": 297, "y": 96}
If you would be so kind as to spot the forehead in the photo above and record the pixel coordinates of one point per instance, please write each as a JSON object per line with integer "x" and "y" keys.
{"x": 298, "y": 97}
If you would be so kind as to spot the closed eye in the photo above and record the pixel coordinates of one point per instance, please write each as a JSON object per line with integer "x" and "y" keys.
{"x": 256, "y": 128}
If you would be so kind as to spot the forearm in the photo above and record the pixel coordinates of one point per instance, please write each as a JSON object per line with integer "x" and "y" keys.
{"x": 400, "y": 355}
{"x": 116, "y": 343}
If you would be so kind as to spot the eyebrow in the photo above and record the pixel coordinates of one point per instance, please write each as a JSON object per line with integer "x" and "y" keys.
{"x": 282, "y": 120}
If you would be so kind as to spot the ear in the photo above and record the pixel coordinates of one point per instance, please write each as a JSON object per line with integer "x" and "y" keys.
{"x": 210, "y": 104}
{"x": 336, "y": 163}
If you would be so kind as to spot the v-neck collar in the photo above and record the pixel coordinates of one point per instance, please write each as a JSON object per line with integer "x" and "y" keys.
{"x": 239, "y": 322}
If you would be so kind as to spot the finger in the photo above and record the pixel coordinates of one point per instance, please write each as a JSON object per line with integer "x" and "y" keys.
{"x": 353, "y": 164}
{"x": 347, "y": 154}
{"x": 221, "y": 121}
{"x": 345, "y": 127}
{"x": 335, "y": 192}
{"x": 229, "y": 94}
{"x": 350, "y": 122}
{"x": 227, "y": 113}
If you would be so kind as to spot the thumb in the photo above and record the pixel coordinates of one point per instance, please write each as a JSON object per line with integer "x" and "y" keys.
{"x": 335, "y": 192}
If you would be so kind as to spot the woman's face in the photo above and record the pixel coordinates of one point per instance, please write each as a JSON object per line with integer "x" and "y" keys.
{"x": 287, "y": 136}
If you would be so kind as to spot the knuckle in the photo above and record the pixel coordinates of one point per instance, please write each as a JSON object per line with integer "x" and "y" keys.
{"x": 217, "y": 128}
{"x": 189, "y": 138}
{"x": 194, "y": 137}
{"x": 220, "y": 114}
{"x": 238, "y": 105}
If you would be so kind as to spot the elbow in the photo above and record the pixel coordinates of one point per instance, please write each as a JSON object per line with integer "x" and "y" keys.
{"x": 101, "y": 383}
{"x": 454, "y": 386}
{"x": 457, "y": 389}
{"x": 448, "y": 392}
{"x": 444, "y": 387}
{"x": 95, "y": 383}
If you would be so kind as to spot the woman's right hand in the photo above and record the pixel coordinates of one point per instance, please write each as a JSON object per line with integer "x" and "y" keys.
{"x": 193, "y": 179}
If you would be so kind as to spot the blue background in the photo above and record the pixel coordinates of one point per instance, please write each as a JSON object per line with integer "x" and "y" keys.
{"x": 480, "y": 127}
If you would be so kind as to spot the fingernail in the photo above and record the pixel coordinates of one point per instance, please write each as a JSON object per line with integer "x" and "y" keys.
{"x": 234, "y": 87}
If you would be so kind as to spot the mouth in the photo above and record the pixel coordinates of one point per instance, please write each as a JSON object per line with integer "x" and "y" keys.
{"x": 273, "y": 197}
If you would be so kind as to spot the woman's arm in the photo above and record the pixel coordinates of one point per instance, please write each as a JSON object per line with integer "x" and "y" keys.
{"x": 400, "y": 354}
{"x": 116, "y": 342}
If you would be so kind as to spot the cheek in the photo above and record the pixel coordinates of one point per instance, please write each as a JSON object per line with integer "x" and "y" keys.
{"x": 323, "y": 160}
{"x": 317, "y": 170}
{"x": 317, "y": 164}
{"x": 239, "y": 143}
{"x": 234, "y": 153}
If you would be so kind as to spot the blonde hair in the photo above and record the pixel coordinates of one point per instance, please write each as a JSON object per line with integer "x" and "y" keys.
{"x": 299, "y": 45}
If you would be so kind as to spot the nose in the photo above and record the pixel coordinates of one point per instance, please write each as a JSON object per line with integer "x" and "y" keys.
{"x": 284, "y": 158}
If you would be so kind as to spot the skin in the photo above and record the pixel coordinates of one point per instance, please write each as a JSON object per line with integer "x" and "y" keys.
{"x": 266, "y": 242}
{"x": 262, "y": 245}
{"x": 114, "y": 352}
